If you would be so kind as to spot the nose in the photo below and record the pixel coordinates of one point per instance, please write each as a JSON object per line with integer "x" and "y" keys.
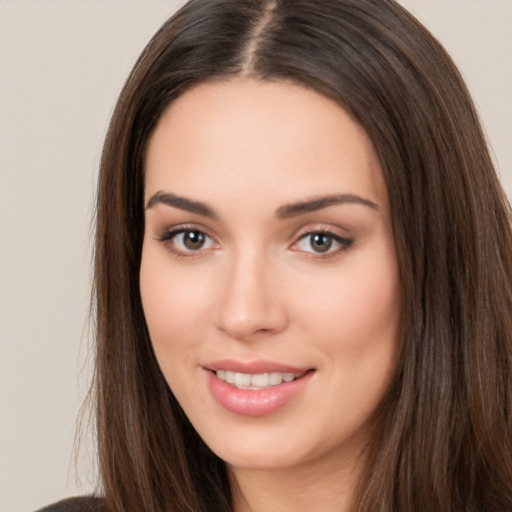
{"x": 251, "y": 303}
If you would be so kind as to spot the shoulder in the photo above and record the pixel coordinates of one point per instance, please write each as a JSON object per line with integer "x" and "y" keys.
{"x": 79, "y": 504}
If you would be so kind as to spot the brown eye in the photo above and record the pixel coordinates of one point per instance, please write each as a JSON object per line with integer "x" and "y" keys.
{"x": 187, "y": 241}
{"x": 193, "y": 240}
{"x": 320, "y": 242}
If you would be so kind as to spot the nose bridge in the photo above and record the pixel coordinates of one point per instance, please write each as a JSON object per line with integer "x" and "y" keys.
{"x": 250, "y": 301}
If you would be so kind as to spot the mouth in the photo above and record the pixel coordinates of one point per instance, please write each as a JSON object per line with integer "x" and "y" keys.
{"x": 258, "y": 380}
{"x": 256, "y": 388}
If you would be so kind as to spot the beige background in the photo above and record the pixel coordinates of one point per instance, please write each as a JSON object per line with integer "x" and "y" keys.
{"x": 62, "y": 64}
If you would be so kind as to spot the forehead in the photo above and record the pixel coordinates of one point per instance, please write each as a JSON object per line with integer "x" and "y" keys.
{"x": 267, "y": 138}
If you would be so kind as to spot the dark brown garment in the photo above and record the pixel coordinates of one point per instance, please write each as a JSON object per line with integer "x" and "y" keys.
{"x": 80, "y": 504}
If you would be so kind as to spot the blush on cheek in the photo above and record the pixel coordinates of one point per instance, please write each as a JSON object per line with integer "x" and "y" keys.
{"x": 366, "y": 319}
{"x": 161, "y": 294}
{"x": 173, "y": 309}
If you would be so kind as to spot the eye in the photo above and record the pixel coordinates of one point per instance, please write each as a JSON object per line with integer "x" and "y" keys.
{"x": 186, "y": 241}
{"x": 320, "y": 242}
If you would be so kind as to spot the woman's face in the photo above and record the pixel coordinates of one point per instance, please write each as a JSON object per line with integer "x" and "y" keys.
{"x": 269, "y": 277}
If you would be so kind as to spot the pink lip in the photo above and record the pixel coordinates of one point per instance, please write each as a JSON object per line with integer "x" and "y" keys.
{"x": 258, "y": 366}
{"x": 250, "y": 402}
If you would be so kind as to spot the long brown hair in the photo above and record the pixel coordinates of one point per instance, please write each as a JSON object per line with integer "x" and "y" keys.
{"x": 443, "y": 435}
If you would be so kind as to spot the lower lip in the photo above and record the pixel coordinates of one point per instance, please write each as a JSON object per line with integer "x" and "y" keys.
{"x": 255, "y": 402}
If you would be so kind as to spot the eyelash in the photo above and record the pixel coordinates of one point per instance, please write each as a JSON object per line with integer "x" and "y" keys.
{"x": 168, "y": 237}
{"x": 344, "y": 243}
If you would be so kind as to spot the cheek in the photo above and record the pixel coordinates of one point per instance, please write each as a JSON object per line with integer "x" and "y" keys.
{"x": 371, "y": 309}
{"x": 355, "y": 320}
{"x": 362, "y": 303}
{"x": 174, "y": 303}
{"x": 174, "y": 313}
{"x": 358, "y": 330}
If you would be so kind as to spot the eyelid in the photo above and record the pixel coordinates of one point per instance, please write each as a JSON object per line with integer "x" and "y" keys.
{"x": 319, "y": 227}
{"x": 168, "y": 234}
{"x": 345, "y": 242}
{"x": 173, "y": 229}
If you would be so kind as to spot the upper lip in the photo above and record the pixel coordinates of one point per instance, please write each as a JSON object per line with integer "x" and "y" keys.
{"x": 253, "y": 367}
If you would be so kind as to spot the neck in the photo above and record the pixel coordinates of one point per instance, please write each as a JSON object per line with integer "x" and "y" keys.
{"x": 308, "y": 488}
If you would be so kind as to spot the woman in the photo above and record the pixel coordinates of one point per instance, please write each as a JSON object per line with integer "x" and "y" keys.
{"x": 302, "y": 270}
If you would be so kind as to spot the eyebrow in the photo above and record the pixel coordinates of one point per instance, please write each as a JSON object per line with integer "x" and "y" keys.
{"x": 182, "y": 203}
{"x": 284, "y": 212}
{"x": 318, "y": 203}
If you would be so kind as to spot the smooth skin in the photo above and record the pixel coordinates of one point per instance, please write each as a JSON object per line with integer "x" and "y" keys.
{"x": 231, "y": 271}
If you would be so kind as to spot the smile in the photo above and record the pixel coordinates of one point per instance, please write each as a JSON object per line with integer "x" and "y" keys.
{"x": 257, "y": 388}
{"x": 256, "y": 381}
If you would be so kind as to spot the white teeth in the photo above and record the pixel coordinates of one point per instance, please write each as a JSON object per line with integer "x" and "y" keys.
{"x": 242, "y": 380}
{"x": 260, "y": 380}
{"x": 257, "y": 380}
{"x": 276, "y": 378}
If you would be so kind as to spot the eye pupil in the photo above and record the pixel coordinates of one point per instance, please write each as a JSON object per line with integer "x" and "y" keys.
{"x": 321, "y": 242}
{"x": 193, "y": 240}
